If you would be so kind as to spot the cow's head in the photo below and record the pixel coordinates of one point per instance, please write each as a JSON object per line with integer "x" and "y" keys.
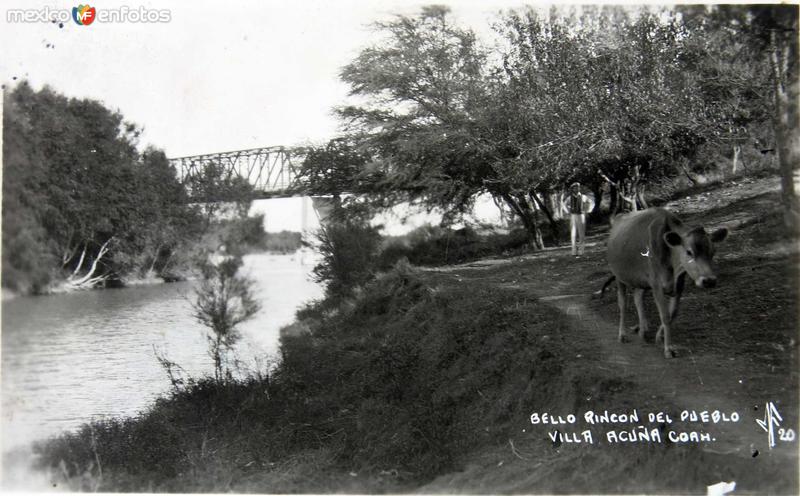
{"x": 696, "y": 251}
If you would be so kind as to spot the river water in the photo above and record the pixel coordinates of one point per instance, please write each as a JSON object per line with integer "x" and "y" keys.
{"x": 71, "y": 358}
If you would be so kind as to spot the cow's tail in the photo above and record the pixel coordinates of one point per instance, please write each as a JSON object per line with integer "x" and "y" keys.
{"x": 601, "y": 292}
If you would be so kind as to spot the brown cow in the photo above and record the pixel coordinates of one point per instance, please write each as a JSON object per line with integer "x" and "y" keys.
{"x": 653, "y": 249}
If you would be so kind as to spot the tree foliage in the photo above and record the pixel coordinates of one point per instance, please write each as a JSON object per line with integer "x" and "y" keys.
{"x": 80, "y": 203}
{"x": 335, "y": 168}
{"x": 220, "y": 192}
{"x": 638, "y": 95}
{"x": 419, "y": 86}
{"x": 349, "y": 252}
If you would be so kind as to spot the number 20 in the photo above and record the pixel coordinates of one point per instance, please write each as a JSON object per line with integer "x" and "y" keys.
{"x": 786, "y": 434}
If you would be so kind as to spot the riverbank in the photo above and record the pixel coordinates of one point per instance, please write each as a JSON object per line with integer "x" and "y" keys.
{"x": 8, "y": 294}
{"x": 61, "y": 287}
{"x": 146, "y": 280}
{"x": 426, "y": 381}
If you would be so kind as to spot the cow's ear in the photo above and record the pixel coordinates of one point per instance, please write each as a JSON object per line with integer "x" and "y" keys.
{"x": 672, "y": 238}
{"x": 719, "y": 235}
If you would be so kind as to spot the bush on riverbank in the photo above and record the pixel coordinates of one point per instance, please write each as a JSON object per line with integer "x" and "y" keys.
{"x": 432, "y": 246}
{"x": 349, "y": 252}
{"x": 353, "y": 253}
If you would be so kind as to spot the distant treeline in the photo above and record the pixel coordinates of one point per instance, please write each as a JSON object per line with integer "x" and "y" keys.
{"x": 283, "y": 242}
{"x": 247, "y": 235}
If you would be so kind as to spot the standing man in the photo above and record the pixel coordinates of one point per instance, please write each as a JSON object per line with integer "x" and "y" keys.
{"x": 578, "y": 205}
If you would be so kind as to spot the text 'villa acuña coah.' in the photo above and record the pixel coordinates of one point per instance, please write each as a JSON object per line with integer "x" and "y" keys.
{"x": 630, "y": 427}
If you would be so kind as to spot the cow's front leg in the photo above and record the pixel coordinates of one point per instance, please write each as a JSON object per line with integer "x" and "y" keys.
{"x": 674, "y": 302}
{"x": 673, "y": 311}
{"x": 622, "y": 301}
{"x": 638, "y": 299}
{"x": 664, "y": 313}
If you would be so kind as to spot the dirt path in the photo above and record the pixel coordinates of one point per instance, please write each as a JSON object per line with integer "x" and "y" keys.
{"x": 702, "y": 383}
{"x": 691, "y": 381}
{"x": 737, "y": 345}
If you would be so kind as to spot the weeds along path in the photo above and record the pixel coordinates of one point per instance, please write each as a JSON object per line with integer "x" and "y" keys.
{"x": 737, "y": 344}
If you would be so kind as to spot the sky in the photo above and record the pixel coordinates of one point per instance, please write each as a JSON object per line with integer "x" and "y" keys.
{"x": 219, "y": 76}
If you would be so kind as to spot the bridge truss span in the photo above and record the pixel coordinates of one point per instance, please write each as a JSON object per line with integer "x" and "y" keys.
{"x": 272, "y": 171}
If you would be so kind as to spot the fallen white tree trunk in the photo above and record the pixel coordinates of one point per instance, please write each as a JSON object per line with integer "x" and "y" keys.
{"x": 88, "y": 280}
{"x": 80, "y": 262}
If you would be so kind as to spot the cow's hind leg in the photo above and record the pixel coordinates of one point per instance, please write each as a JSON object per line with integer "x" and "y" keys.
{"x": 663, "y": 312}
{"x": 638, "y": 299}
{"x": 622, "y": 300}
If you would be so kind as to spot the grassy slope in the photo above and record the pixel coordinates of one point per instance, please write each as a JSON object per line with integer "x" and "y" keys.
{"x": 426, "y": 382}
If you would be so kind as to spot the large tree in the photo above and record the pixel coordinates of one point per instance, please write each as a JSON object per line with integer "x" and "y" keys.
{"x": 419, "y": 90}
{"x": 775, "y": 29}
{"x": 609, "y": 90}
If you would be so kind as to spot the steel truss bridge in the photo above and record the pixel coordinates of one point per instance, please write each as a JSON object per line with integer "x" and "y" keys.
{"x": 272, "y": 171}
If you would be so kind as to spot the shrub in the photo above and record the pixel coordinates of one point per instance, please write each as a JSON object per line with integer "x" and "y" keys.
{"x": 224, "y": 300}
{"x": 349, "y": 252}
{"x": 432, "y": 246}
